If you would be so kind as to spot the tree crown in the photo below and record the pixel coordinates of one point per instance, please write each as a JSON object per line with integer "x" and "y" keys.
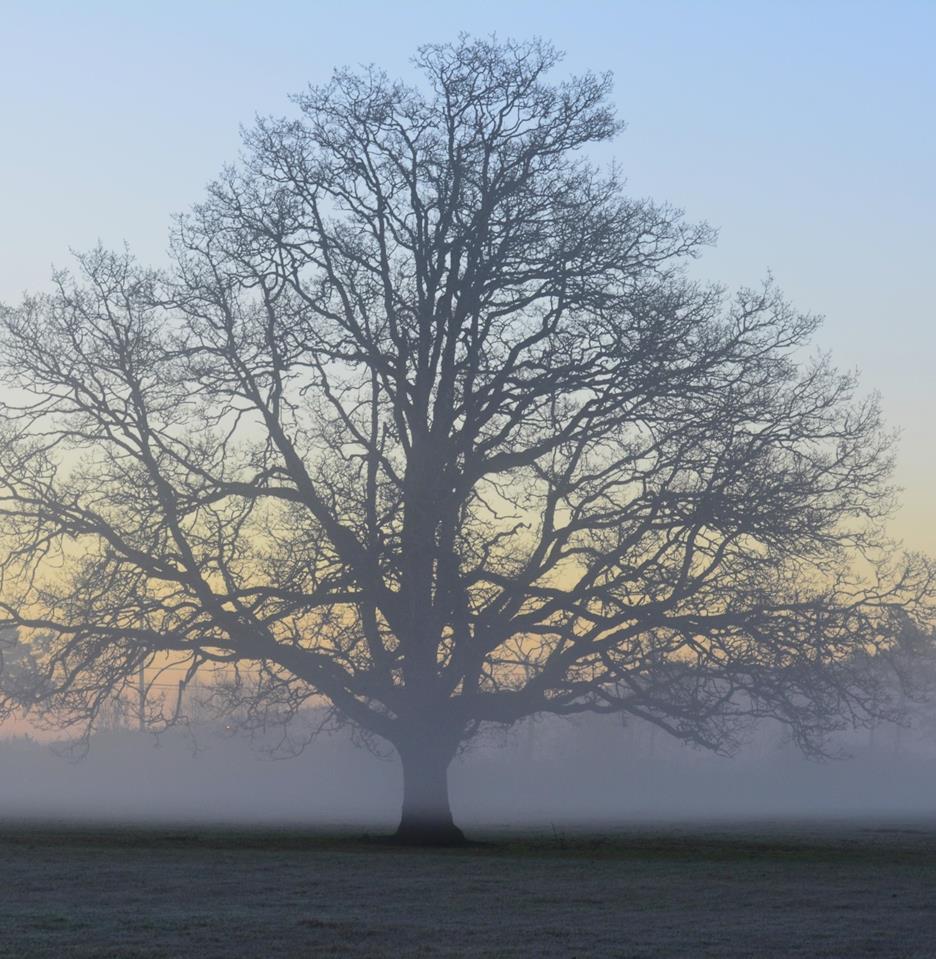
{"x": 428, "y": 419}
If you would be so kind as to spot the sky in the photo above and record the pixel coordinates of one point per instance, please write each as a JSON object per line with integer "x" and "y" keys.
{"x": 804, "y": 131}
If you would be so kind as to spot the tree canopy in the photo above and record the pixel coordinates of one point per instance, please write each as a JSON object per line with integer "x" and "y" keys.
{"x": 427, "y": 418}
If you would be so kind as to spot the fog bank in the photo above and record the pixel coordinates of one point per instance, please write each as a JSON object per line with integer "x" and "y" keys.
{"x": 549, "y": 772}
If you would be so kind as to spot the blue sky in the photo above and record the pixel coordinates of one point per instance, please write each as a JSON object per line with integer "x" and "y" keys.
{"x": 805, "y": 131}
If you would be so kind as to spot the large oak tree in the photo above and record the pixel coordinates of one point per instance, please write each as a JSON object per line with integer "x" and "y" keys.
{"x": 427, "y": 420}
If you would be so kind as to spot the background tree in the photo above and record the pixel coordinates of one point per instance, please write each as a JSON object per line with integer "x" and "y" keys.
{"x": 428, "y": 421}
{"x": 20, "y": 673}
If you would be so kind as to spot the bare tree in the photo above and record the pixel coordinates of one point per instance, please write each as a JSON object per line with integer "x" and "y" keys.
{"x": 428, "y": 421}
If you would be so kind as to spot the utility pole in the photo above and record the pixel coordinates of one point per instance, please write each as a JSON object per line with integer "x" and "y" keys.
{"x": 141, "y": 685}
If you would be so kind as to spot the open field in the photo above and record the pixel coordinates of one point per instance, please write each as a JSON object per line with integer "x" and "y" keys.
{"x": 794, "y": 890}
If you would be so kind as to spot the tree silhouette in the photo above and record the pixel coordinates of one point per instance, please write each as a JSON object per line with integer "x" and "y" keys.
{"x": 427, "y": 420}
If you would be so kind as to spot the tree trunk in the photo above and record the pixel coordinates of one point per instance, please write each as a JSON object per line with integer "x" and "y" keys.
{"x": 426, "y": 819}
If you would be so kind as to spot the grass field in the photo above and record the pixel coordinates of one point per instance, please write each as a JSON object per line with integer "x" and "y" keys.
{"x": 792, "y": 891}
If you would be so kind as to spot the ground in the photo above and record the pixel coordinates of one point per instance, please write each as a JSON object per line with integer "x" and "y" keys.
{"x": 792, "y": 891}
